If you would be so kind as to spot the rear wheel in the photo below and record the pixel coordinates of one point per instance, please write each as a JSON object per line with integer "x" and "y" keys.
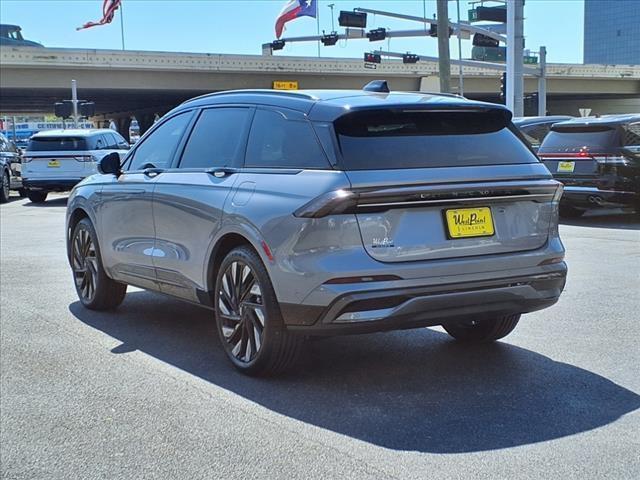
{"x": 37, "y": 196}
{"x": 248, "y": 317}
{"x": 567, "y": 211}
{"x": 5, "y": 191}
{"x": 482, "y": 330}
{"x": 95, "y": 289}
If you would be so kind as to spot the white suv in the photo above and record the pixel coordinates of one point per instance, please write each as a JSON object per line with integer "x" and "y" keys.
{"x": 56, "y": 160}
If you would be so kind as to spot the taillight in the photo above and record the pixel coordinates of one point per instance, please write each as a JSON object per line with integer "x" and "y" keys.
{"x": 558, "y": 195}
{"x": 85, "y": 158}
{"x": 612, "y": 160}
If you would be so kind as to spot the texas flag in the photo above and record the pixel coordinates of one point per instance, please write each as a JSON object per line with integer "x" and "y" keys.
{"x": 294, "y": 9}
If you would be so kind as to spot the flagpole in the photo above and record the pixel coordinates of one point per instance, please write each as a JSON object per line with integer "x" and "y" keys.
{"x": 122, "y": 24}
{"x": 318, "y": 24}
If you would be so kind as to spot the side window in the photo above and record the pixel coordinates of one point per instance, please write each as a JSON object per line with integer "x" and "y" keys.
{"x": 217, "y": 140}
{"x": 276, "y": 141}
{"x": 121, "y": 143}
{"x": 98, "y": 143}
{"x": 632, "y": 136}
{"x": 110, "y": 141}
{"x": 3, "y": 145}
{"x": 158, "y": 148}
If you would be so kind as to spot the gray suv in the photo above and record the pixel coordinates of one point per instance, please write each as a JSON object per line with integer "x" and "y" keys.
{"x": 295, "y": 214}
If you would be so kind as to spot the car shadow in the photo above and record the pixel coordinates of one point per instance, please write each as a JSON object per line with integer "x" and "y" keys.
{"x": 616, "y": 219}
{"x": 53, "y": 202}
{"x": 412, "y": 390}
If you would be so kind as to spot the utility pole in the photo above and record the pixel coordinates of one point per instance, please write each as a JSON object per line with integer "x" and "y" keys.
{"x": 542, "y": 82}
{"x": 515, "y": 50}
{"x": 444, "y": 58}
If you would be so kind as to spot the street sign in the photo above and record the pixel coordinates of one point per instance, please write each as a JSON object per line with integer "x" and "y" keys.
{"x": 285, "y": 85}
{"x": 530, "y": 60}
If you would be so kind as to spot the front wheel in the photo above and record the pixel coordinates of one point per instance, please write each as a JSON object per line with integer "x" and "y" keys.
{"x": 37, "y": 196}
{"x": 248, "y": 317}
{"x": 478, "y": 331}
{"x": 95, "y": 289}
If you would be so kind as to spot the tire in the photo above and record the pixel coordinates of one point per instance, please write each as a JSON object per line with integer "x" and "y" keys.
{"x": 5, "y": 189}
{"x": 22, "y": 192}
{"x": 567, "y": 211}
{"x": 37, "y": 196}
{"x": 95, "y": 289}
{"x": 482, "y": 331}
{"x": 248, "y": 317}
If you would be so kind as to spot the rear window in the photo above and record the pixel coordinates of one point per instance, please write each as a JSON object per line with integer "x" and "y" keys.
{"x": 398, "y": 139}
{"x": 594, "y": 138}
{"x": 57, "y": 144}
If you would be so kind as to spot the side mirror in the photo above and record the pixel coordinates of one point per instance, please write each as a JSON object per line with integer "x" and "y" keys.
{"x": 110, "y": 164}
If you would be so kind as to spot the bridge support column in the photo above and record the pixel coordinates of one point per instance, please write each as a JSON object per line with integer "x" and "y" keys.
{"x": 145, "y": 121}
{"x": 123, "y": 124}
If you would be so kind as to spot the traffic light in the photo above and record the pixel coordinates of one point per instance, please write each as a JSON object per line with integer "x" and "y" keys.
{"x": 87, "y": 109}
{"x": 63, "y": 109}
{"x": 277, "y": 45}
{"x": 352, "y": 19}
{"x": 503, "y": 87}
{"x": 433, "y": 30}
{"x": 410, "y": 58}
{"x": 480, "y": 40}
{"x": 377, "y": 34}
{"x": 329, "y": 39}
{"x": 372, "y": 58}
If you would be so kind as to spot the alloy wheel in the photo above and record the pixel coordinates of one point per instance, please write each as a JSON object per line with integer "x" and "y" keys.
{"x": 85, "y": 264}
{"x": 241, "y": 311}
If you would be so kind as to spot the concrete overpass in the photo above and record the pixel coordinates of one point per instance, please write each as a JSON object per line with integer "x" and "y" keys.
{"x": 141, "y": 83}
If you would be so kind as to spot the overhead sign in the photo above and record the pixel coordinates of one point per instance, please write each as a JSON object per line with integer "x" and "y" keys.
{"x": 285, "y": 85}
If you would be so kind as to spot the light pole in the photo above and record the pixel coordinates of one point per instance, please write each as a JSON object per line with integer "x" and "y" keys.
{"x": 444, "y": 58}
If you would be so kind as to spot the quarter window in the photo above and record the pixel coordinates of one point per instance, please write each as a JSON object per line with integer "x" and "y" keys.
{"x": 277, "y": 141}
{"x": 217, "y": 140}
{"x": 158, "y": 148}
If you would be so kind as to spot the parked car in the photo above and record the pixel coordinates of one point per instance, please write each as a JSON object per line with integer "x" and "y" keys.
{"x": 534, "y": 129}
{"x": 10, "y": 169}
{"x": 293, "y": 214}
{"x": 598, "y": 160}
{"x": 11, "y": 36}
{"x": 56, "y": 160}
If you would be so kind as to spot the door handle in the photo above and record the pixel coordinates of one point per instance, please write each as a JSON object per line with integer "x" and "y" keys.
{"x": 220, "y": 172}
{"x": 152, "y": 172}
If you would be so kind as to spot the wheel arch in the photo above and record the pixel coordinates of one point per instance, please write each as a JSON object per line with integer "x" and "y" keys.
{"x": 226, "y": 242}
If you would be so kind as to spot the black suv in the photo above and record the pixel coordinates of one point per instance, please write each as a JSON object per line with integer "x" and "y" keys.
{"x": 597, "y": 159}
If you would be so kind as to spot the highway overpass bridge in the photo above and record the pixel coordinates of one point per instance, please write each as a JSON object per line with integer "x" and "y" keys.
{"x": 142, "y": 83}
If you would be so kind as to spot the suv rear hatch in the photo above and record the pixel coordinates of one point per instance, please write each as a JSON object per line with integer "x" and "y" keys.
{"x": 433, "y": 184}
{"x": 58, "y": 157}
{"x": 580, "y": 151}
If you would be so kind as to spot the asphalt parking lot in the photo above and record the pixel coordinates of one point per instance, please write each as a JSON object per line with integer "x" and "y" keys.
{"x": 145, "y": 392}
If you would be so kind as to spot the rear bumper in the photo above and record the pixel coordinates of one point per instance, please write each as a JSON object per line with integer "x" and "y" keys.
{"x": 57, "y": 184}
{"x": 401, "y": 308}
{"x": 593, "y": 197}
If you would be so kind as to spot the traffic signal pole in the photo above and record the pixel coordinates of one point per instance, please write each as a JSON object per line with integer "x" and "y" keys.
{"x": 74, "y": 102}
{"x": 515, "y": 61}
{"x": 444, "y": 57}
{"x": 542, "y": 83}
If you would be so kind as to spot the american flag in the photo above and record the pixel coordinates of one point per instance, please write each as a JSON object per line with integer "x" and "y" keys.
{"x": 109, "y": 8}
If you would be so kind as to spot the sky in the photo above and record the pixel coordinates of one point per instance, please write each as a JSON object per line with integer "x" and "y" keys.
{"x": 242, "y": 26}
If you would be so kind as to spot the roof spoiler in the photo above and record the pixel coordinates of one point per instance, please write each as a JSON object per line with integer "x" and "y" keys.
{"x": 378, "y": 86}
